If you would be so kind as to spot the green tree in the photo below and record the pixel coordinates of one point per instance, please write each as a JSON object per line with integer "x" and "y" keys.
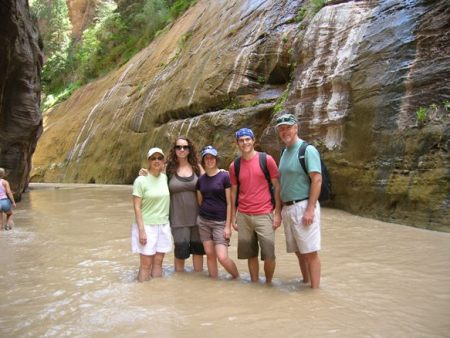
{"x": 114, "y": 36}
{"x": 179, "y": 6}
{"x": 55, "y": 31}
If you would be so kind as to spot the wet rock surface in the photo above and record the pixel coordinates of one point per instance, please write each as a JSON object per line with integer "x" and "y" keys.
{"x": 20, "y": 118}
{"x": 355, "y": 75}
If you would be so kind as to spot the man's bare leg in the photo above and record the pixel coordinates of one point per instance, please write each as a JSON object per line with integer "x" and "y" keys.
{"x": 253, "y": 268}
{"x": 303, "y": 267}
{"x": 313, "y": 263}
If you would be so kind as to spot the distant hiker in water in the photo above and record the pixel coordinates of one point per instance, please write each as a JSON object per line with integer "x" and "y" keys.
{"x": 6, "y": 202}
{"x": 256, "y": 192}
{"x": 214, "y": 219}
{"x": 300, "y": 193}
{"x": 150, "y": 234}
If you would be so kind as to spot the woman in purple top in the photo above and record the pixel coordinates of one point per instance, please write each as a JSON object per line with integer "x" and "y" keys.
{"x": 214, "y": 198}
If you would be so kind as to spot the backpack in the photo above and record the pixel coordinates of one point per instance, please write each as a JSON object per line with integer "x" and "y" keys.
{"x": 325, "y": 189}
{"x": 263, "y": 165}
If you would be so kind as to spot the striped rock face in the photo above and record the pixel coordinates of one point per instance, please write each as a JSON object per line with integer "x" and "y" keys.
{"x": 355, "y": 74}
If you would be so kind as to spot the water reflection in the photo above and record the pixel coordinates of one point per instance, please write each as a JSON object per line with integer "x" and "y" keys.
{"x": 67, "y": 270}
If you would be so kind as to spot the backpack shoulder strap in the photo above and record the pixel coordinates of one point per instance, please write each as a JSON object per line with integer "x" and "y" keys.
{"x": 237, "y": 168}
{"x": 263, "y": 165}
{"x": 301, "y": 156}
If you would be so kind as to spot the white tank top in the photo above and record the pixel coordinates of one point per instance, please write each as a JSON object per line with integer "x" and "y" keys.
{"x": 2, "y": 190}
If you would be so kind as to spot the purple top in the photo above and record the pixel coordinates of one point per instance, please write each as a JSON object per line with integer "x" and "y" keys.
{"x": 214, "y": 204}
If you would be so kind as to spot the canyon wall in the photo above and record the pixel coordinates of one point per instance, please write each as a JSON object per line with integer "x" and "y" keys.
{"x": 20, "y": 117}
{"x": 356, "y": 74}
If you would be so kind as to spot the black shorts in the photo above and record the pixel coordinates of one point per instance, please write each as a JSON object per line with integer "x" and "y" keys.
{"x": 187, "y": 242}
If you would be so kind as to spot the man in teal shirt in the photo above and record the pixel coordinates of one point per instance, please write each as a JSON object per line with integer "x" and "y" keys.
{"x": 300, "y": 193}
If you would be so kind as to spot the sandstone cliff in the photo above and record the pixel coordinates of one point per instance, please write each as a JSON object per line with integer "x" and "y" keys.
{"x": 355, "y": 74}
{"x": 81, "y": 14}
{"x": 20, "y": 118}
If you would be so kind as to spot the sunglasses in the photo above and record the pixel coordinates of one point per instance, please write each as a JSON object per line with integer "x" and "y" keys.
{"x": 181, "y": 147}
{"x": 159, "y": 158}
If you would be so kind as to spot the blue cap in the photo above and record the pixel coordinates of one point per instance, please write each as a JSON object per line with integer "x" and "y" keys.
{"x": 209, "y": 150}
{"x": 244, "y": 132}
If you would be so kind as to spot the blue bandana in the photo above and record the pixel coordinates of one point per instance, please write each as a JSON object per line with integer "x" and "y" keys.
{"x": 244, "y": 132}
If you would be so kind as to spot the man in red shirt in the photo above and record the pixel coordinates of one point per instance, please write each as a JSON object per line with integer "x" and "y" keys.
{"x": 256, "y": 219}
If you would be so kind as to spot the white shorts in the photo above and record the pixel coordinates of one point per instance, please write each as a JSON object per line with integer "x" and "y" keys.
{"x": 159, "y": 239}
{"x": 299, "y": 237}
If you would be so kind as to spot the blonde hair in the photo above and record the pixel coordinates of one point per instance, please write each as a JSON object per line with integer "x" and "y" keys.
{"x": 2, "y": 172}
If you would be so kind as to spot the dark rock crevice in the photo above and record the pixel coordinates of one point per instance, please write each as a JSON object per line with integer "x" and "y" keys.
{"x": 20, "y": 65}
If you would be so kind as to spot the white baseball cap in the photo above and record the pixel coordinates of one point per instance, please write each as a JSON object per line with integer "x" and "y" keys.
{"x": 154, "y": 151}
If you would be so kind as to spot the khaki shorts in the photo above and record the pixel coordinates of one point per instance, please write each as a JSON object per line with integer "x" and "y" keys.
{"x": 254, "y": 230}
{"x": 301, "y": 238}
{"x": 212, "y": 231}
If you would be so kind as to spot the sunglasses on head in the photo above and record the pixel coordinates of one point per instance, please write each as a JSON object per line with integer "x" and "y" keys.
{"x": 159, "y": 158}
{"x": 177, "y": 147}
{"x": 285, "y": 119}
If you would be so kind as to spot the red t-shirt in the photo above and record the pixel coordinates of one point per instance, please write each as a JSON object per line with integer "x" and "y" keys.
{"x": 254, "y": 195}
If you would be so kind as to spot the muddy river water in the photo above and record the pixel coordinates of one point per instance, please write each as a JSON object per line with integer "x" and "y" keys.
{"x": 66, "y": 270}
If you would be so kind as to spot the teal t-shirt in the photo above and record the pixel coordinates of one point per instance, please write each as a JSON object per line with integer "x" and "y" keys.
{"x": 155, "y": 198}
{"x": 293, "y": 180}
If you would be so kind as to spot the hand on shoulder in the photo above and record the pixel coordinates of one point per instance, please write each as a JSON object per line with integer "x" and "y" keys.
{"x": 143, "y": 172}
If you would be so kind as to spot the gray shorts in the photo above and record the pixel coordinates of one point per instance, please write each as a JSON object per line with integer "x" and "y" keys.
{"x": 212, "y": 231}
{"x": 187, "y": 242}
{"x": 254, "y": 230}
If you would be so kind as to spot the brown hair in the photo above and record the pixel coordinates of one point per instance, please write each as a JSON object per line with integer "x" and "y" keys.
{"x": 172, "y": 159}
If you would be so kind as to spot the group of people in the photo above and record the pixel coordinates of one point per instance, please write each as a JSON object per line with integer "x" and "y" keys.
{"x": 197, "y": 205}
{"x": 6, "y": 202}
